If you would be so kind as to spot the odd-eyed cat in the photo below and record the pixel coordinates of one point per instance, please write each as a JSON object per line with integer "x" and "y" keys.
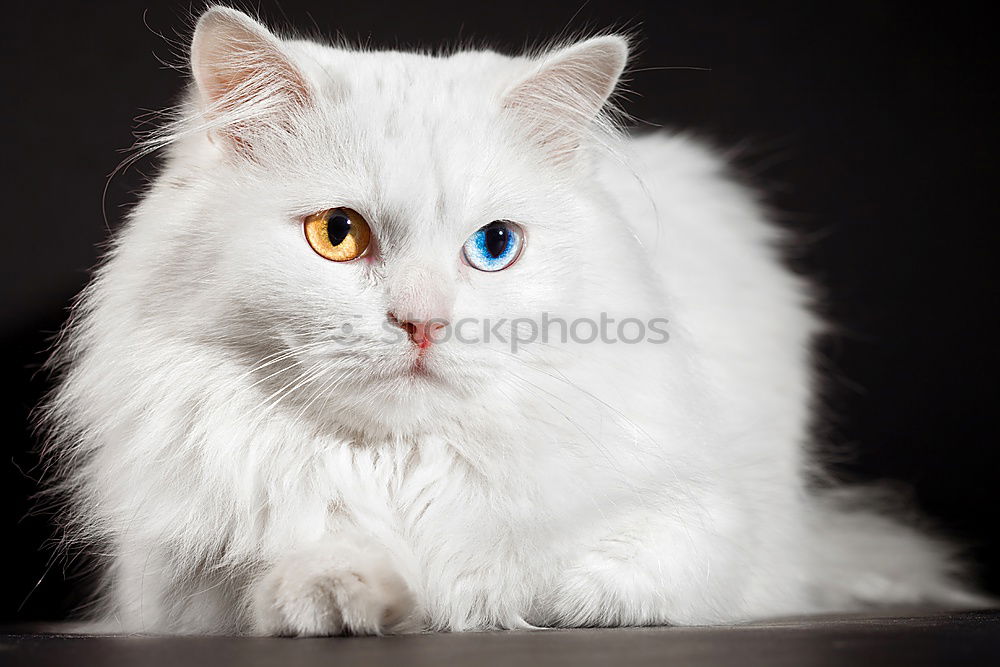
{"x": 382, "y": 349}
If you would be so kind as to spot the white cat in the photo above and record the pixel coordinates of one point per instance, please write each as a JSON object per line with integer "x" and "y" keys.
{"x": 294, "y": 399}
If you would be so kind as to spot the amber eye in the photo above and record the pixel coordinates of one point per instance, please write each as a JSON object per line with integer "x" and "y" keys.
{"x": 338, "y": 234}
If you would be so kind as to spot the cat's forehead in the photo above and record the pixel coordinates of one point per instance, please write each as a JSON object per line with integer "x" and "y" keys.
{"x": 396, "y": 78}
{"x": 424, "y": 142}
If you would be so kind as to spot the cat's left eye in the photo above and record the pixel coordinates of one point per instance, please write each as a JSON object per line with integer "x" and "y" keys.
{"x": 338, "y": 234}
{"x": 495, "y": 246}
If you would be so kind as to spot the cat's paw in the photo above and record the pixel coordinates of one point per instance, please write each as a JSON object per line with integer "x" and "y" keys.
{"x": 336, "y": 587}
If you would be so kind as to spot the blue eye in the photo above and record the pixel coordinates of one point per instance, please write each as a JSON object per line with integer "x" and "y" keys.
{"x": 494, "y": 247}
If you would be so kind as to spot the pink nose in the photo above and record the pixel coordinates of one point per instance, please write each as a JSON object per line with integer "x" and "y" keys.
{"x": 421, "y": 333}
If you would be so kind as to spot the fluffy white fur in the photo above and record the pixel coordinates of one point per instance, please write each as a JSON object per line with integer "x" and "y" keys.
{"x": 242, "y": 472}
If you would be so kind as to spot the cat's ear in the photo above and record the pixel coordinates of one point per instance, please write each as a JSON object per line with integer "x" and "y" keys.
{"x": 566, "y": 91}
{"x": 245, "y": 81}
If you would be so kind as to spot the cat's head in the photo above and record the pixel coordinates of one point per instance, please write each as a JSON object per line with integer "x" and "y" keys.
{"x": 335, "y": 207}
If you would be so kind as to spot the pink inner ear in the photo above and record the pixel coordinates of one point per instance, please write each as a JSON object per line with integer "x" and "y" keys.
{"x": 241, "y": 70}
{"x": 247, "y": 73}
{"x": 568, "y": 91}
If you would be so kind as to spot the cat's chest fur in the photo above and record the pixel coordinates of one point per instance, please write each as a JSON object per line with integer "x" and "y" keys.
{"x": 476, "y": 548}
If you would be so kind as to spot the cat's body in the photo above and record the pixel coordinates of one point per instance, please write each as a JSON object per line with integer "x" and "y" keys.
{"x": 246, "y": 474}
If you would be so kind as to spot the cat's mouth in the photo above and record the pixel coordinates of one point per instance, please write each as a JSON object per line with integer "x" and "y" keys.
{"x": 430, "y": 364}
{"x": 421, "y": 367}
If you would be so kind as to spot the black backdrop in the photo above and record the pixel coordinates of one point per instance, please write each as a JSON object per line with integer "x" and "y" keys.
{"x": 871, "y": 125}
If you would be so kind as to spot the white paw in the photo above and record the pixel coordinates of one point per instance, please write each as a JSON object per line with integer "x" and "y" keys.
{"x": 340, "y": 586}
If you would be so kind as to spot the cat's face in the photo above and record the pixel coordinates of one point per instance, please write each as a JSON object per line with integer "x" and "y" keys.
{"x": 423, "y": 152}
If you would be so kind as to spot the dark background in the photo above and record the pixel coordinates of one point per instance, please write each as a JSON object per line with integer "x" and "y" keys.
{"x": 870, "y": 126}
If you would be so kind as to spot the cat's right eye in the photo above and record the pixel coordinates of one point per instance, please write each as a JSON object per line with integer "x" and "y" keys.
{"x": 495, "y": 246}
{"x": 338, "y": 234}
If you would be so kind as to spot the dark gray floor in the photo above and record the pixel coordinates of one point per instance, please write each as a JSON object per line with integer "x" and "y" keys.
{"x": 967, "y": 638}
